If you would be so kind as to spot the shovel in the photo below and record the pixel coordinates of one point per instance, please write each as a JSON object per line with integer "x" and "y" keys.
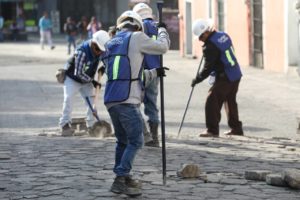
{"x": 100, "y": 128}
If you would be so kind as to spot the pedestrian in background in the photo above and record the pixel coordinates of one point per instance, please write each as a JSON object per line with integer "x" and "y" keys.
{"x": 219, "y": 60}
{"x": 93, "y": 26}
{"x": 150, "y": 62}
{"x": 71, "y": 30}
{"x": 80, "y": 72}
{"x": 14, "y": 30}
{"x": 1, "y": 28}
{"x": 45, "y": 26}
{"x": 82, "y": 29}
{"x": 124, "y": 92}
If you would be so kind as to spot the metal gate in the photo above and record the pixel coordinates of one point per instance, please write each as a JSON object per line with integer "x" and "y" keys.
{"x": 257, "y": 34}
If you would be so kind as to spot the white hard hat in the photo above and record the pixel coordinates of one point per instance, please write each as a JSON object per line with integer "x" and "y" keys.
{"x": 100, "y": 38}
{"x": 201, "y": 25}
{"x": 125, "y": 19}
{"x": 143, "y": 10}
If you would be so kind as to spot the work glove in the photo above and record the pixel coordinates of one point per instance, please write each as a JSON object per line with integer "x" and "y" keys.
{"x": 162, "y": 25}
{"x": 101, "y": 70}
{"x": 161, "y": 71}
{"x": 96, "y": 83}
{"x": 195, "y": 81}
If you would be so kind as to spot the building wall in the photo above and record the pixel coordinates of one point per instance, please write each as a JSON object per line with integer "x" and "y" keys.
{"x": 293, "y": 50}
{"x": 236, "y": 25}
{"x": 279, "y": 30}
{"x": 274, "y": 35}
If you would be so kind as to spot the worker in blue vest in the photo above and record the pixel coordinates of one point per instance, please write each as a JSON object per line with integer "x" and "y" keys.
{"x": 150, "y": 62}
{"x": 221, "y": 62}
{"x": 80, "y": 72}
{"x": 124, "y": 92}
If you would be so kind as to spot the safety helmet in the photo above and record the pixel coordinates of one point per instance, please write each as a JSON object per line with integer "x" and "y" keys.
{"x": 143, "y": 10}
{"x": 100, "y": 38}
{"x": 130, "y": 17}
{"x": 201, "y": 25}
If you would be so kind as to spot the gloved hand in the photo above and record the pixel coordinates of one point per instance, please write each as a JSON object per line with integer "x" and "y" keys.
{"x": 96, "y": 83}
{"x": 162, "y": 25}
{"x": 101, "y": 70}
{"x": 161, "y": 71}
{"x": 195, "y": 81}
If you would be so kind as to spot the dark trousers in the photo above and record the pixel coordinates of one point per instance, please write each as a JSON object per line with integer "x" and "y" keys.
{"x": 222, "y": 92}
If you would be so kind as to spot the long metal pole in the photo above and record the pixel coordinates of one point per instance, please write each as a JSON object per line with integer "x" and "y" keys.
{"x": 188, "y": 103}
{"x": 163, "y": 136}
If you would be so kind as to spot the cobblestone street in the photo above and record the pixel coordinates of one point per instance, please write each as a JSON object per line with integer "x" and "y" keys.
{"x": 80, "y": 168}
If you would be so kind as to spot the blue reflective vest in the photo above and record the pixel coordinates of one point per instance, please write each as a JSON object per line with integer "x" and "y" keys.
{"x": 231, "y": 66}
{"x": 90, "y": 64}
{"x": 151, "y": 61}
{"x": 118, "y": 68}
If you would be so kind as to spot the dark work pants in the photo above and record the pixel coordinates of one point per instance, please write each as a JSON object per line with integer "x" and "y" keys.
{"x": 223, "y": 91}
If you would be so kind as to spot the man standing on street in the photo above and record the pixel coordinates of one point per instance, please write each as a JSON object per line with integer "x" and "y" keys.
{"x": 220, "y": 60}
{"x": 150, "y": 62}
{"x": 124, "y": 92}
{"x": 80, "y": 72}
{"x": 45, "y": 25}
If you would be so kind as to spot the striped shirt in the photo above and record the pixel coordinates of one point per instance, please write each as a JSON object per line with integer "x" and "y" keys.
{"x": 80, "y": 67}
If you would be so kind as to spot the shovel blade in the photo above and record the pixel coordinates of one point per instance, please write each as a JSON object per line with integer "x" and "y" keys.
{"x": 101, "y": 129}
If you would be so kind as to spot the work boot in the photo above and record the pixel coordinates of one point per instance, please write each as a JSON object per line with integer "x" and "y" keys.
{"x": 154, "y": 132}
{"x": 132, "y": 182}
{"x": 120, "y": 186}
{"x": 208, "y": 134}
{"x": 67, "y": 131}
{"x": 234, "y": 132}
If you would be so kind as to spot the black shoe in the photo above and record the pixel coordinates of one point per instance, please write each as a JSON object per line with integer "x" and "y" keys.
{"x": 119, "y": 186}
{"x": 52, "y": 47}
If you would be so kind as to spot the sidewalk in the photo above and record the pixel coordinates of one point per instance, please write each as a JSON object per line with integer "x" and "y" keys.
{"x": 35, "y": 167}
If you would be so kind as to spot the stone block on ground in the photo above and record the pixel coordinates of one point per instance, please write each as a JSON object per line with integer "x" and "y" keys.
{"x": 257, "y": 175}
{"x": 79, "y": 124}
{"x": 292, "y": 177}
{"x": 275, "y": 180}
{"x": 189, "y": 171}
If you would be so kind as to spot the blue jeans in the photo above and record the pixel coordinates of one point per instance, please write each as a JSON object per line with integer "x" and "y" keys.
{"x": 150, "y": 101}
{"x": 128, "y": 125}
{"x": 71, "y": 42}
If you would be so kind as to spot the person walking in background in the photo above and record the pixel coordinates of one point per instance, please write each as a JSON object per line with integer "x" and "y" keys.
{"x": 1, "y": 28}
{"x": 71, "y": 30}
{"x": 45, "y": 26}
{"x": 14, "y": 30}
{"x": 150, "y": 62}
{"x": 219, "y": 60}
{"x": 93, "y": 26}
{"x": 124, "y": 92}
{"x": 82, "y": 29}
{"x": 80, "y": 72}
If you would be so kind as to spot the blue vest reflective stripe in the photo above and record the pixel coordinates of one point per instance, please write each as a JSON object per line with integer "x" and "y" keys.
{"x": 231, "y": 65}
{"x": 90, "y": 64}
{"x": 118, "y": 68}
{"x": 151, "y": 61}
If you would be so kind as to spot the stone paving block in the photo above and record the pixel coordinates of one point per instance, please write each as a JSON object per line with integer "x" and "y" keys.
{"x": 292, "y": 177}
{"x": 257, "y": 175}
{"x": 275, "y": 180}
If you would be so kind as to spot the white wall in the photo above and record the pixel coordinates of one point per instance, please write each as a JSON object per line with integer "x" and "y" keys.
{"x": 293, "y": 50}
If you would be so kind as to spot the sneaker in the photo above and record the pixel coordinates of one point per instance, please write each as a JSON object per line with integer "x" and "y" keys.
{"x": 67, "y": 131}
{"x": 119, "y": 186}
